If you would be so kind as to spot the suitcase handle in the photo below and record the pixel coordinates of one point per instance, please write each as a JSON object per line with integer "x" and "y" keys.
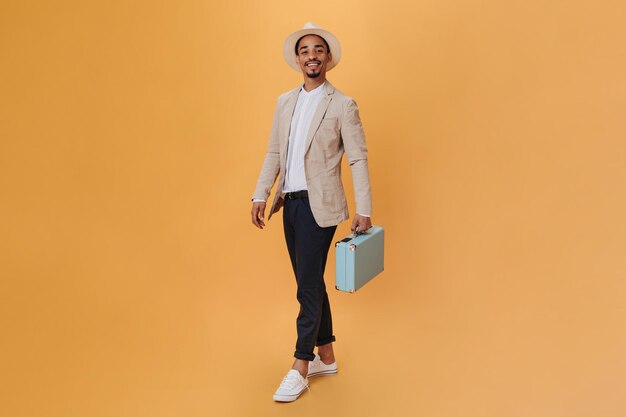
{"x": 356, "y": 231}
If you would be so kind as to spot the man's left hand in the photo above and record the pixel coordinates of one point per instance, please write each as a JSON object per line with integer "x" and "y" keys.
{"x": 363, "y": 223}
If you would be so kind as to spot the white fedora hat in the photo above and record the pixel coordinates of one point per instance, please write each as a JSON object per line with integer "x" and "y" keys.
{"x": 289, "y": 48}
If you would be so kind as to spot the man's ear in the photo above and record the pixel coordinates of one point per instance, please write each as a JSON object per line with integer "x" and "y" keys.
{"x": 330, "y": 57}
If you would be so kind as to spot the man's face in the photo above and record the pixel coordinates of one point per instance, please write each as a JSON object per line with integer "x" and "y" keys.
{"x": 313, "y": 56}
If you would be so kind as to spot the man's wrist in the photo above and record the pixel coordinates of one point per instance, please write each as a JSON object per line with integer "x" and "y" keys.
{"x": 364, "y": 215}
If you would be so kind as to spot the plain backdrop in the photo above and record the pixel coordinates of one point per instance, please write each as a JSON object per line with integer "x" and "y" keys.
{"x": 133, "y": 283}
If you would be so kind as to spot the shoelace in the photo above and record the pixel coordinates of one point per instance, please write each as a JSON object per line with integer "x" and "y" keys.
{"x": 290, "y": 381}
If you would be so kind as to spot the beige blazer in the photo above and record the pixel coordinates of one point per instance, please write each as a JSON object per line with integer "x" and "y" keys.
{"x": 335, "y": 128}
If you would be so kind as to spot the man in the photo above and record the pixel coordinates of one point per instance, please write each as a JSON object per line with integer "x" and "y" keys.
{"x": 313, "y": 125}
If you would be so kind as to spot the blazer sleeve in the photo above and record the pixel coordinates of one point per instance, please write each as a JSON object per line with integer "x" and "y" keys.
{"x": 271, "y": 164}
{"x": 356, "y": 151}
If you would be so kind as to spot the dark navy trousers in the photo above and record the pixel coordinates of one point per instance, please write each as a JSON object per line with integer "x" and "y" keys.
{"x": 308, "y": 246}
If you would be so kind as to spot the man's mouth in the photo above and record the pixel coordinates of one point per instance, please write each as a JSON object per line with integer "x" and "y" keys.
{"x": 313, "y": 64}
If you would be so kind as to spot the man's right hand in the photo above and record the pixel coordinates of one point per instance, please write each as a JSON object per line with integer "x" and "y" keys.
{"x": 258, "y": 214}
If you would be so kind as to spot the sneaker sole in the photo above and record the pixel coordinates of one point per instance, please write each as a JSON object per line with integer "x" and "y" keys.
{"x": 323, "y": 373}
{"x": 288, "y": 398}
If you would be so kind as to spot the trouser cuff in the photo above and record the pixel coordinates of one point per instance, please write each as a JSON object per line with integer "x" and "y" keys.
{"x": 304, "y": 356}
{"x": 322, "y": 342}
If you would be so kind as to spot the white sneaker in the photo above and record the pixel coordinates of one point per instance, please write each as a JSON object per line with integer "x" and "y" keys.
{"x": 292, "y": 386}
{"x": 317, "y": 367}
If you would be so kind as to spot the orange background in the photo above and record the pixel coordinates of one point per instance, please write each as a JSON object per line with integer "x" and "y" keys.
{"x": 133, "y": 284}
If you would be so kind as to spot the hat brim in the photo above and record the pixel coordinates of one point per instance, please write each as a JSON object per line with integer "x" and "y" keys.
{"x": 290, "y": 45}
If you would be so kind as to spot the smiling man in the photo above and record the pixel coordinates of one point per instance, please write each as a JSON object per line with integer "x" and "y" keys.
{"x": 314, "y": 125}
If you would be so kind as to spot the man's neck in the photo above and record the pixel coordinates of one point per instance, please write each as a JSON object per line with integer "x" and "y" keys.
{"x": 313, "y": 83}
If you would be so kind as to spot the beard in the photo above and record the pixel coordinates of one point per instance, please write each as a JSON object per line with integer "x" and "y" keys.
{"x": 316, "y": 72}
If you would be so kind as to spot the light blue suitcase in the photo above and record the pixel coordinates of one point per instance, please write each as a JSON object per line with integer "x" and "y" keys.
{"x": 359, "y": 258}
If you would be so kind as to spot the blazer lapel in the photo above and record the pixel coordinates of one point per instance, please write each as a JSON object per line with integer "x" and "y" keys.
{"x": 319, "y": 114}
{"x": 285, "y": 123}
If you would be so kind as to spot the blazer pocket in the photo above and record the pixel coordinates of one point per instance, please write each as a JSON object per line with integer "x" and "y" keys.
{"x": 330, "y": 123}
{"x": 329, "y": 127}
{"x": 328, "y": 136}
